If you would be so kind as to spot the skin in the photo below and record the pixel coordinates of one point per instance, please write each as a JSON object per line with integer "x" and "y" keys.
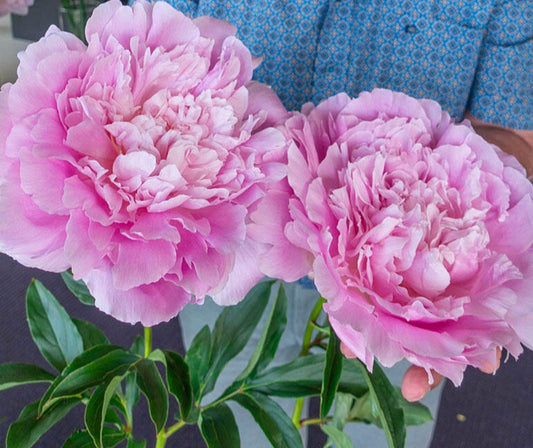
{"x": 415, "y": 383}
{"x": 519, "y": 143}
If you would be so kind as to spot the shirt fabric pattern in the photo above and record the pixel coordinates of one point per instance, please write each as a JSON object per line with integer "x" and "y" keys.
{"x": 466, "y": 54}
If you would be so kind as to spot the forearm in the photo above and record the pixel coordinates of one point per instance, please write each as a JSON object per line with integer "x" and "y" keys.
{"x": 519, "y": 143}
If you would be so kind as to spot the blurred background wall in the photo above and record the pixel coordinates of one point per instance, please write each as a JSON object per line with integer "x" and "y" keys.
{"x": 9, "y": 47}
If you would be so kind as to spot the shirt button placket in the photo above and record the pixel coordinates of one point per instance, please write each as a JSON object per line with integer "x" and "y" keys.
{"x": 333, "y": 50}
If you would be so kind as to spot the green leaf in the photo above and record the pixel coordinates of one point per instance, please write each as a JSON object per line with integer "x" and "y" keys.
{"x": 112, "y": 437}
{"x": 179, "y": 382}
{"x": 93, "y": 367}
{"x": 365, "y": 410}
{"x": 385, "y": 397}
{"x": 415, "y": 413}
{"x": 138, "y": 346}
{"x": 299, "y": 378}
{"x": 332, "y": 375}
{"x": 27, "y": 430}
{"x": 276, "y": 425}
{"x": 82, "y": 439}
{"x": 90, "y": 355}
{"x": 158, "y": 355}
{"x": 150, "y": 382}
{"x": 90, "y": 334}
{"x": 112, "y": 418}
{"x": 119, "y": 402}
{"x": 16, "y": 374}
{"x": 197, "y": 358}
{"x": 340, "y": 439}
{"x": 132, "y": 443}
{"x": 78, "y": 288}
{"x": 343, "y": 405}
{"x": 233, "y": 329}
{"x": 267, "y": 346}
{"x": 352, "y": 380}
{"x": 303, "y": 377}
{"x": 131, "y": 393}
{"x": 219, "y": 428}
{"x": 54, "y": 333}
{"x": 97, "y": 407}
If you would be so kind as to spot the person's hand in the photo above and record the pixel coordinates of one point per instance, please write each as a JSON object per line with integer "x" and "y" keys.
{"x": 519, "y": 143}
{"x": 416, "y": 385}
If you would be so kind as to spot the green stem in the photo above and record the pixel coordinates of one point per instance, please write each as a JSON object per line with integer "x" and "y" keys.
{"x": 161, "y": 440}
{"x": 174, "y": 428}
{"x": 129, "y": 419}
{"x": 164, "y": 434}
{"x": 297, "y": 413}
{"x": 223, "y": 398}
{"x": 310, "y": 421}
{"x": 306, "y": 346}
{"x": 147, "y": 341}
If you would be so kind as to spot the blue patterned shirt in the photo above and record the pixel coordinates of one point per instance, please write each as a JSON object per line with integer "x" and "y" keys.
{"x": 466, "y": 54}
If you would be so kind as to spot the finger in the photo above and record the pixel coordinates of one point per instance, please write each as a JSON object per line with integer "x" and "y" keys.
{"x": 346, "y": 351}
{"x": 415, "y": 383}
{"x": 492, "y": 367}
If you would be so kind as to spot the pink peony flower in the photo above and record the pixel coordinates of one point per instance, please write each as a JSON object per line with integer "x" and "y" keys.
{"x": 135, "y": 161}
{"x": 19, "y": 7}
{"x": 418, "y": 232}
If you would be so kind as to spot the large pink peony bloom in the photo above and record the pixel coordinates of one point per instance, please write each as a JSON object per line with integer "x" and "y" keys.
{"x": 418, "y": 232}
{"x": 135, "y": 161}
{"x": 19, "y": 7}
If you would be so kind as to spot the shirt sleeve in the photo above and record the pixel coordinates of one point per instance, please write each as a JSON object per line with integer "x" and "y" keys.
{"x": 502, "y": 91}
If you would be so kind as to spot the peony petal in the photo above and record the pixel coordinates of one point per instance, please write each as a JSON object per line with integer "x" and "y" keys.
{"x": 354, "y": 341}
{"x": 80, "y": 250}
{"x": 90, "y": 139}
{"x": 43, "y": 180}
{"x": 101, "y": 17}
{"x": 262, "y": 97}
{"x": 422, "y": 341}
{"x": 147, "y": 304}
{"x": 227, "y": 228}
{"x": 407, "y": 220}
{"x": 244, "y": 275}
{"x": 141, "y": 262}
{"x": 427, "y": 275}
{"x": 153, "y": 227}
{"x": 165, "y": 17}
{"x": 23, "y": 221}
{"x": 282, "y": 260}
{"x": 503, "y": 235}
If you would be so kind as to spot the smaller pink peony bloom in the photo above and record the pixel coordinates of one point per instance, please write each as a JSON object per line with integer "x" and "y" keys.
{"x": 19, "y": 7}
{"x": 136, "y": 160}
{"x": 418, "y": 232}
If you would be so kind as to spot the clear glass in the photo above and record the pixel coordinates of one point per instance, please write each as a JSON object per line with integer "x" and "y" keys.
{"x": 73, "y": 15}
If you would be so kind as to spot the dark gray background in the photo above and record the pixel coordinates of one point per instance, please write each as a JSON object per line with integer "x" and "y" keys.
{"x": 498, "y": 409}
